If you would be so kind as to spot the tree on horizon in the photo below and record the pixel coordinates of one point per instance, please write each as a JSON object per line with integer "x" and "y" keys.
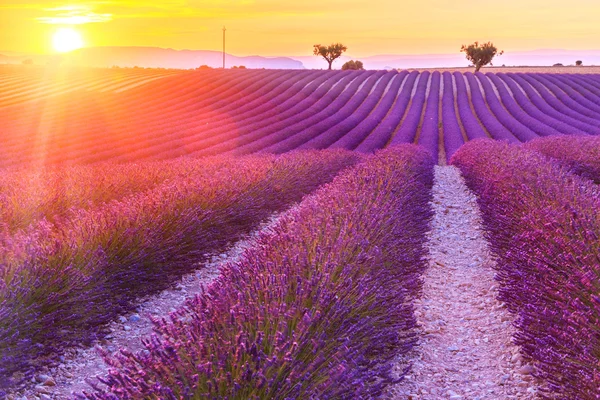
{"x": 480, "y": 55}
{"x": 329, "y": 53}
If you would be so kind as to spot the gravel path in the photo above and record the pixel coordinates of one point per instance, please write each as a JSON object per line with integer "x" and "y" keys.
{"x": 85, "y": 364}
{"x": 465, "y": 351}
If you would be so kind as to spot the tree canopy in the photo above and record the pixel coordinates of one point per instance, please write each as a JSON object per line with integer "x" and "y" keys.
{"x": 329, "y": 53}
{"x": 480, "y": 55}
{"x": 353, "y": 65}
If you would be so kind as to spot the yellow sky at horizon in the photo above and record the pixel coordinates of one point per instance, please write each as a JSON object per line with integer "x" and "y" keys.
{"x": 274, "y": 27}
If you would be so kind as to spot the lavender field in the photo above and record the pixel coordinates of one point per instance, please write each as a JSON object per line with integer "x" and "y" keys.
{"x": 115, "y": 184}
{"x": 50, "y": 119}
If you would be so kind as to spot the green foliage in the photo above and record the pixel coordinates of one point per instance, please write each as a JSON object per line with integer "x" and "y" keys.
{"x": 480, "y": 55}
{"x": 353, "y": 65}
{"x": 329, "y": 53}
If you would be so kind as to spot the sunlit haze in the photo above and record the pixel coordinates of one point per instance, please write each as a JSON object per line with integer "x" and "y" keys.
{"x": 278, "y": 27}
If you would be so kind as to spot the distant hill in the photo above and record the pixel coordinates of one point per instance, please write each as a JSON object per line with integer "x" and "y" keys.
{"x": 185, "y": 59}
{"x": 169, "y": 58}
{"x": 155, "y": 57}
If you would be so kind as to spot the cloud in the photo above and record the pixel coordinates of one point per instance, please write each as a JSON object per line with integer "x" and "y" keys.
{"x": 74, "y": 15}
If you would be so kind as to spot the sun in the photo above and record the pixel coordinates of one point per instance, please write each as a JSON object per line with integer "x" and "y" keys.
{"x": 66, "y": 39}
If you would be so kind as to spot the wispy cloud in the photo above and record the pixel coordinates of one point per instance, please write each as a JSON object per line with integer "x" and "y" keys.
{"x": 74, "y": 15}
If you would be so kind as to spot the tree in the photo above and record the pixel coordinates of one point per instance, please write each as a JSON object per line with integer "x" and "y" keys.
{"x": 329, "y": 53}
{"x": 579, "y": 63}
{"x": 480, "y": 55}
{"x": 353, "y": 65}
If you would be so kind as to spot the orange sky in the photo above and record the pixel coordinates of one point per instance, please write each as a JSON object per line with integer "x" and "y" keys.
{"x": 278, "y": 27}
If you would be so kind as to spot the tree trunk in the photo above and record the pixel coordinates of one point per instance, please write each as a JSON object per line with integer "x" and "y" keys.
{"x": 477, "y": 67}
{"x": 330, "y": 62}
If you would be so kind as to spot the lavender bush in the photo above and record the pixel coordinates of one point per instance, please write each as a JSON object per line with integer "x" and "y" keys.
{"x": 383, "y": 132}
{"x": 430, "y": 128}
{"x": 543, "y": 225}
{"x": 453, "y": 137}
{"x": 59, "y": 282}
{"x": 318, "y": 309}
{"x": 361, "y": 131}
{"x": 581, "y": 154}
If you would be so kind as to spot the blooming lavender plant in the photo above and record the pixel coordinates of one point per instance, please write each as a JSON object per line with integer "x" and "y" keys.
{"x": 367, "y": 98}
{"x": 317, "y": 309}
{"x": 59, "y": 282}
{"x": 453, "y": 137}
{"x": 489, "y": 120}
{"x": 581, "y": 154}
{"x": 430, "y": 129}
{"x": 383, "y": 132}
{"x": 543, "y": 225}
{"x": 408, "y": 129}
{"x": 511, "y": 121}
{"x": 361, "y": 131}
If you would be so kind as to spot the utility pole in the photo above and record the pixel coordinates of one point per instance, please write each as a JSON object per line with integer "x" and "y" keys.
{"x": 224, "y": 47}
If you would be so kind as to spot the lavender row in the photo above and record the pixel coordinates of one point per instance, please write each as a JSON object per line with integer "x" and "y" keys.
{"x": 576, "y": 100}
{"x": 542, "y": 104}
{"x": 61, "y": 282}
{"x": 217, "y": 140}
{"x": 175, "y": 101}
{"x": 580, "y": 89}
{"x": 53, "y": 194}
{"x": 510, "y": 121}
{"x": 340, "y": 109}
{"x": 581, "y": 154}
{"x": 453, "y": 137}
{"x": 430, "y": 130}
{"x": 491, "y": 123}
{"x": 322, "y": 106}
{"x": 317, "y": 309}
{"x": 235, "y": 97}
{"x": 367, "y": 99}
{"x": 408, "y": 130}
{"x": 561, "y": 103}
{"x": 357, "y": 135}
{"x": 546, "y": 125}
{"x": 217, "y": 125}
{"x": 543, "y": 225}
{"x": 472, "y": 126}
{"x": 382, "y": 134}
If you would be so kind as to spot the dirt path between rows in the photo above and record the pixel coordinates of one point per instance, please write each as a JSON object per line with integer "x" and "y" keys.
{"x": 465, "y": 349}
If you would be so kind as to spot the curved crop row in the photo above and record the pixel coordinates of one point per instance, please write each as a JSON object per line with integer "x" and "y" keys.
{"x": 581, "y": 154}
{"x": 108, "y": 255}
{"x": 317, "y": 309}
{"x": 53, "y": 194}
{"x": 543, "y": 225}
{"x": 211, "y": 112}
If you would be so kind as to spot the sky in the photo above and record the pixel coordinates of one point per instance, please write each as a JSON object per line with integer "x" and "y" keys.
{"x": 281, "y": 27}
